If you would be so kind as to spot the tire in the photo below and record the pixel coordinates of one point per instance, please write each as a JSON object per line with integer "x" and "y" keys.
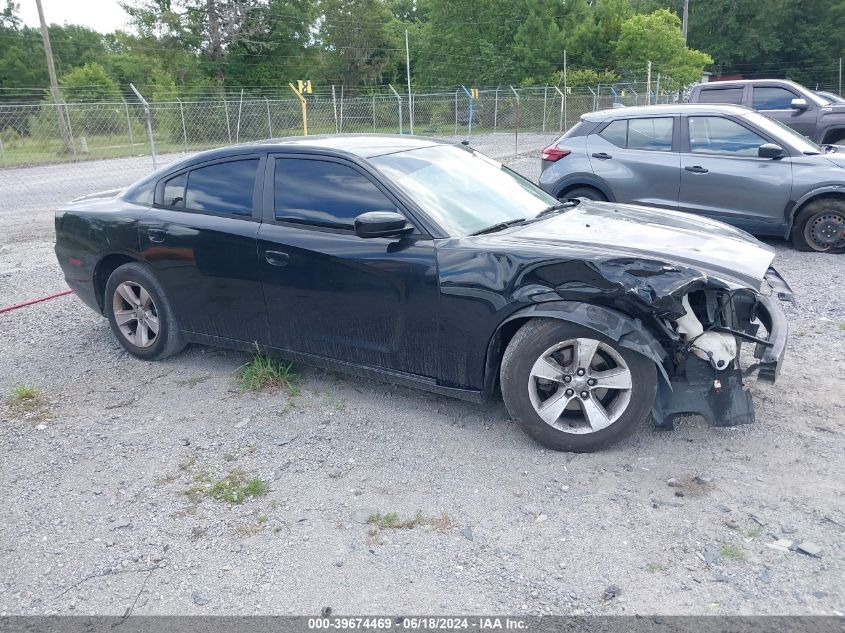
{"x": 585, "y": 192}
{"x": 135, "y": 304}
{"x": 617, "y": 410}
{"x": 820, "y": 226}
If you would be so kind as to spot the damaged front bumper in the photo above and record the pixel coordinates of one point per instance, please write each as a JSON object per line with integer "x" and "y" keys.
{"x": 719, "y": 396}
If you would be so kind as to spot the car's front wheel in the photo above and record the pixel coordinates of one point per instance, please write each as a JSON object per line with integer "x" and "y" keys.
{"x": 573, "y": 389}
{"x": 140, "y": 315}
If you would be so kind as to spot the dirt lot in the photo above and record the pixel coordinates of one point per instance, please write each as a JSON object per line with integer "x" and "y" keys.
{"x": 116, "y": 483}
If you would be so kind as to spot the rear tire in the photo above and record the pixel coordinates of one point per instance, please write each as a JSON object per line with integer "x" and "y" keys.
{"x": 580, "y": 414}
{"x": 590, "y": 193}
{"x": 140, "y": 315}
{"x": 820, "y": 226}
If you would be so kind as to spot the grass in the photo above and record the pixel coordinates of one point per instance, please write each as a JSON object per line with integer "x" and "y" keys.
{"x": 263, "y": 373}
{"x": 653, "y": 568}
{"x": 842, "y": 326}
{"x": 754, "y": 532}
{"x": 730, "y": 551}
{"x": 391, "y": 520}
{"x": 236, "y": 488}
{"x": 26, "y": 399}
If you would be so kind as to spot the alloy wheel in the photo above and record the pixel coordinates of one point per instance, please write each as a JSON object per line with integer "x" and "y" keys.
{"x": 135, "y": 314}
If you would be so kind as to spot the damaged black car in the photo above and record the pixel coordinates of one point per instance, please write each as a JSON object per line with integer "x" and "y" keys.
{"x": 433, "y": 266}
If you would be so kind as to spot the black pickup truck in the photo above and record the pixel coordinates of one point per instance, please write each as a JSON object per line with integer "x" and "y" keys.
{"x": 814, "y": 116}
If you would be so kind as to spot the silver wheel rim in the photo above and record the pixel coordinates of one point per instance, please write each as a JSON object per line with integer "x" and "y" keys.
{"x": 135, "y": 314}
{"x": 580, "y": 386}
{"x": 825, "y": 230}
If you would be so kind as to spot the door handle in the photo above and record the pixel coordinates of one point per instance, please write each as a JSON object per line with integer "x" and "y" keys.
{"x": 276, "y": 258}
{"x": 697, "y": 169}
{"x": 156, "y": 235}
{"x": 602, "y": 156}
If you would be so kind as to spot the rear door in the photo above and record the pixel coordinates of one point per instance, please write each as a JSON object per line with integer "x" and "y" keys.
{"x": 638, "y": 158}
{"x": 333, "y": 294}
{"x": 723, "y": 178}
{"x": 200, "y": 240}
{"x": 776, "y": 102}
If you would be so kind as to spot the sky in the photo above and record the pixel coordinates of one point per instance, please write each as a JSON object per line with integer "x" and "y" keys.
{"x": 101, "y": 15}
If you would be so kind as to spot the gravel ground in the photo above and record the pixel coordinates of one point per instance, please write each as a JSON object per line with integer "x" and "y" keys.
{"x": 99, "y": 517}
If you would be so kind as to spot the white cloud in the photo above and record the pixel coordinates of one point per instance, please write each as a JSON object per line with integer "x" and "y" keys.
{"x": 101, "y": 15}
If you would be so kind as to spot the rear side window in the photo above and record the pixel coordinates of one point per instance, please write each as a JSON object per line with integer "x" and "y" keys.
{"x": 174, "y": 191}
{"x": 222, "y": 188}
{"x": 720, "y": 95}
{"x": 653, "y": 134}
{"x": 716, "y": 135}
{"x": 773, "y": 99}
{"x": 322, "y": 193}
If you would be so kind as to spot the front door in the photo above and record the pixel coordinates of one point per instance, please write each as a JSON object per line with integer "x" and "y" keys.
{"x": 200, "y": 240}
{"x": 333, "y": 294}
{"x": 776, "y": 103}
{"x": 722, "y": 177}
{"x": 638, "y": 158}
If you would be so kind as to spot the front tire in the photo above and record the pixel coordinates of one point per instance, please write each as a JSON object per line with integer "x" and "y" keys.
{"x": 572, "y": 389}
{"x": 140, "y": 315}
{"x": 820, "y": 226}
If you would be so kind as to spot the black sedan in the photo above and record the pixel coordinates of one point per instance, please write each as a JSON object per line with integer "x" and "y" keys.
{"x": 431, "y": 265}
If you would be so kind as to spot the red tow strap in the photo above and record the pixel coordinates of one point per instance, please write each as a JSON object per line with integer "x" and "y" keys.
{"x": 32, "y": 301}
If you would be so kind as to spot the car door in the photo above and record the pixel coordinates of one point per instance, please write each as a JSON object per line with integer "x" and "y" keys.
{"x": 330, "y": 293}
{"x": 723, "y": 177}
{"x": 776, "y": 102}
{"x": 200, "y": 240}
{"x": 638, "y": 159}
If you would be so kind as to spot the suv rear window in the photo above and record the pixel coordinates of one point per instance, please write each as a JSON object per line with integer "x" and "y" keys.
{"x": 720, "y": 95}
{"x": 654, "y": 134}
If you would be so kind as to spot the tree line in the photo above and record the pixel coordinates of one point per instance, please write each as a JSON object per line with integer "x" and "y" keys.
{"x": 203, "y": 46}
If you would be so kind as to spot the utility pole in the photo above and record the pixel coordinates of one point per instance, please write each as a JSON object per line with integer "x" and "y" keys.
{"x": 408, "y": 72}
{"x": 648, "y": 86}
{"x": 685, "y": 22}
{"x": 565, "y": 89}
{"x": 51, "y": 70}
{"x": 840, "y": 77}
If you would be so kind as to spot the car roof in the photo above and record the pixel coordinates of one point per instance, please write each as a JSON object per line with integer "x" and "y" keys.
{"x": 363, "y": 145}
{"x": 666, "y": 110}
{"x": 742, "y": 82}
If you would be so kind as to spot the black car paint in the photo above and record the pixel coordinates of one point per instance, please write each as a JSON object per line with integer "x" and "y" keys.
{"x": 421, "y": 309}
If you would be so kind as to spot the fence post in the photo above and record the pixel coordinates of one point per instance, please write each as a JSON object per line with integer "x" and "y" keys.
{"x": 516, "y": 130}
{"x": 456, "y": 111}
{"x": 496, "y": 110}
{"x": 148, "y": 116}
{"x": 595, "y": 98}
{"x": 228, "y": 127}
{"x": 184, "y": 127}
{"x": 545, "y": 98}
{"x": 304, "y": 105}
{"x": 399, "y": 98}
{"x": 341, "y": 108}
{"x": 562, "y": 101}
{"x": 374, "y": 113}
{"x": 238, "y": 127}
{"x": 128, "y": 122}
{"x": 69, "y": 129}
{"x": 469, "y": 128}
{"x": 334, "y": 107}
{"x": 269, "y": 121}
{"x": 2, "y": 151}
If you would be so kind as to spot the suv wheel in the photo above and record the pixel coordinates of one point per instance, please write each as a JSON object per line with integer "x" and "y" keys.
{"x": 573, "y": 389}
{"x": 589, "y": 193}
{"x": 820, "y": 226}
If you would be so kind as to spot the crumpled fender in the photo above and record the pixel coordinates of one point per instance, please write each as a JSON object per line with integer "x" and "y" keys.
{"x": 625, "y": 330}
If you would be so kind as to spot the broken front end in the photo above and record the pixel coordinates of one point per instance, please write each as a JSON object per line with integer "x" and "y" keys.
{"x": 705, "y": 339}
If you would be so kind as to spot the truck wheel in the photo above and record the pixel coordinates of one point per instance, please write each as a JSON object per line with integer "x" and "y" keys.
{"x": 573, "y": 389}
{"x": 820, "y": 226}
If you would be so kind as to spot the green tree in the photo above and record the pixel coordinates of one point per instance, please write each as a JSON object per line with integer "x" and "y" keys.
{"x": 90, "y": 82}
{"x": 656, "y": 38}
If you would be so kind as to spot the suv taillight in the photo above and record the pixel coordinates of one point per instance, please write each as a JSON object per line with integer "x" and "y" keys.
{"x": 553, "y": 153}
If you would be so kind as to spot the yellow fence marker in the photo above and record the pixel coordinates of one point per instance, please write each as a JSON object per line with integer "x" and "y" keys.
{"x": 304, "y": 85}
{"x": 304, "y": 108}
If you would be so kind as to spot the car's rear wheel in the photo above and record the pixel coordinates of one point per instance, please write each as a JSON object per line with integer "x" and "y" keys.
{"x": 573, "y": 389}
{"x": 820, "y": 226}
{"x": 140, "y": 315}
{"x": 590, "y": 193}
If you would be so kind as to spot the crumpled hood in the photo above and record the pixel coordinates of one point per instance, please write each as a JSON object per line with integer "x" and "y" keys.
{"x": 628, "y": 230}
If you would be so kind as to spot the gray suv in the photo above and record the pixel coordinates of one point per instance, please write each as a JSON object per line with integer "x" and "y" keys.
{"x": 725, "y": 162}
{"x": 814, "y": 115}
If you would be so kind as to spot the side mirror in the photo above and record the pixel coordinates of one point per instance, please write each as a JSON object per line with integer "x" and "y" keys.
{"x": 770, "y": 150}
{"x": 799, "y": 104}
{"x": 381, "y": 224}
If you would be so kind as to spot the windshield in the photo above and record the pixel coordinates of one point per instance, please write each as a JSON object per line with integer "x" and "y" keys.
{"x": 463, "y": 191}
{"x": 784, "y": 133}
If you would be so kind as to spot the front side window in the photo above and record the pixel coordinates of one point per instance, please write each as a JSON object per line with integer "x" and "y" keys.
{"x": 721, "y": 95}
{"x": 653, "y": 134}
{"x": 717, "y": 135}
{"x": 223, "y": 187}
{"x": 773, "y": 99}
{"x": 174, "y": 191}
{"x": 322, "y": 193}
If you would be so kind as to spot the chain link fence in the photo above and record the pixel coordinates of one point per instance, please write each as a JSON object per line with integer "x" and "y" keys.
{"x": 42, "y": 133}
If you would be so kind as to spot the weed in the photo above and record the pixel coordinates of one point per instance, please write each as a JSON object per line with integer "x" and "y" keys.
{"x": 731, "y": 551}
{"x": 842, "y": 326}
{"x": 265, "y": 373}
{"x": 391, "y": 520}
{"x": 262, "y": 519}
{"x": 653, "y": 568}
{"x": 26, "y": 399}
{"x": 236, "y": 488}
{"x": 754, "y": 532}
